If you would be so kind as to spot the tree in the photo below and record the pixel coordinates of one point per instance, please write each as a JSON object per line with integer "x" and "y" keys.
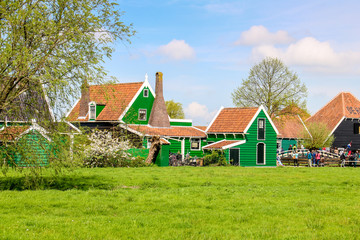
{"x": 53, "y": 46}
{"x": 320, "y": 136}
{"x": 271, "y": 84}
{"x": 47, "y": 50}
{"x": 174, "y": 109}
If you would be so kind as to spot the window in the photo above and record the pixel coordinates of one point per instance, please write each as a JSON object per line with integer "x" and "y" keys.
{"x": 142, "y": 114}
{"x": 195, "y": 144}
{"x": 261, "y": 129}
{"x": 356, "y": 128}
{"x": 146, "y": 93}
{"x": 92, "y": 112}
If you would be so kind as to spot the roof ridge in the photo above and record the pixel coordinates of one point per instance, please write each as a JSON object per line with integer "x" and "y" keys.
{"x": 111, "y": 84}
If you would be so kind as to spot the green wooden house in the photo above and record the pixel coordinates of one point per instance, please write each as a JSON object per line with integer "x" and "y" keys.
{"x": 25, "y": 145}
{"x": 247, "y": 136}
{"x": 135, "y": 110}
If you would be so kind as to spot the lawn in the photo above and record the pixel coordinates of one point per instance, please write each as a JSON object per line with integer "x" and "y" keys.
{"x": 186, "y": 203}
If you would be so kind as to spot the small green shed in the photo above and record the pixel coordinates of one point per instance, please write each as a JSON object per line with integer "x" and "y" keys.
{"x": 24, "y": 146}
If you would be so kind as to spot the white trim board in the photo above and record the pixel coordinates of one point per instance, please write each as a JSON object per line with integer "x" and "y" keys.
{"x": 213, "y": 120}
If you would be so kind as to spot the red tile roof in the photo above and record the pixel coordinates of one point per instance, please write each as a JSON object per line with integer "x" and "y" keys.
{"x": 173, "y": 131}
{"x": 201, "y": 127}
{"x": 115, "y": 97}
{"x": 290, "y": 126}
{"x": 12, "y": 132}
{"x": 343, "y": 105}
{"x": 221, "y": 144}
{"x": 232, "y": 120}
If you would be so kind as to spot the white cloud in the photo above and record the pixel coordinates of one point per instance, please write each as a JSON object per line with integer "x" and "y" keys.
{"x": 177, "y": 50}
{"x": 260, "y": 35}
{"x": 198, "y": 112}
{"x": 308, "y": 52}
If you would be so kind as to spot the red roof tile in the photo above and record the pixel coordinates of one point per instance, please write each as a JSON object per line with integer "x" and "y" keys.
{"x": 221, "y": 144}
{"x": 115, "y": 97}
{"x": 343, "y": 105}
{"x": 232, "y": 120}
{"x": 290, "y": 126}
{"x": 173, "y": 131}
{"x": 12, "y": 132}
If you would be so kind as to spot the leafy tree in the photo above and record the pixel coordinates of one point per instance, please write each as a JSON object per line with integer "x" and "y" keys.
{"x": 320, "y": 136}
{"x": 47, "y": 49}
{"x": 54, "y": 45}
{"x": 271, "y": 84}
{"x": 175, "y": 110}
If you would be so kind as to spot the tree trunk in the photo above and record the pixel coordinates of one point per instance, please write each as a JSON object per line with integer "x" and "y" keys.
{"x": 154, "y": 149}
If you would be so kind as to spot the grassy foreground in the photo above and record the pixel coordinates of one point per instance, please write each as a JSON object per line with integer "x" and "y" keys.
{"x": 186, "y": 203}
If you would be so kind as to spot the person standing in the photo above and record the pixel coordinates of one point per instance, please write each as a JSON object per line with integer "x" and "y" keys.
{"x": 317, "y": 157}
{"x": 309, "y": 157}
{"x": 313, "y": 153}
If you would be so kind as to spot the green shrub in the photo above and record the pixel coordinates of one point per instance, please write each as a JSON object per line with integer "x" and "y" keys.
{"x": 216, "y": 157}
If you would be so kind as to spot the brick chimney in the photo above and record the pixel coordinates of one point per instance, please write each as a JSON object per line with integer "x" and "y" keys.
{"x": 85, "y": 99}
{"x": 159, "y": 116}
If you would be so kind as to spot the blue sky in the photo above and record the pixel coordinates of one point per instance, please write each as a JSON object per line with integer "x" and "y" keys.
{"x": 206, "y": 48}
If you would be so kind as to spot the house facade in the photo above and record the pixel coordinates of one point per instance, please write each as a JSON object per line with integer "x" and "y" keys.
{"x": 342, "y": 116}
{"x": 246, "y": 135}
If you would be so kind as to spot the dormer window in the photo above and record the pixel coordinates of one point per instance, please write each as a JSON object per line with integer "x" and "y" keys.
{"x": 92, "y": 111}
{"x": 146, "y": 93}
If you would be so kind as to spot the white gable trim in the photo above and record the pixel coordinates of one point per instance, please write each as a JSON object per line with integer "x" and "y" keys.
{"x": 212, "y": 121}
{"x": 213, "y": 143}
{"x": 145, "y": 84}
{"x": 73, "y": 126}
{"x": 255, "y": 116}
{"x": 131, "y": 130}
{"x": 337, "y": 125}
{"x": 72, "y": 108}
{"x": 36, "y": 127}
{"x": 234, "y": 144}
{"x": 305, "y": 126}
{"x": 48, "y": 103}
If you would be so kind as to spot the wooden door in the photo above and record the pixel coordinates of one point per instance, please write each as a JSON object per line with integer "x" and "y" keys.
{"x": 235, "y": 156}
{"x": 260, "y": 156}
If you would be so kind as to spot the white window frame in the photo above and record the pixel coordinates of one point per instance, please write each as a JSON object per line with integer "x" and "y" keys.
{"x": 142, "y": 109}
{"x": 147, "y": 93}
{"x": 257, "y": 161}
{"x": 264, "y": 127}
{"x": 193, "y": 140}
{"x": 92, "y": 116}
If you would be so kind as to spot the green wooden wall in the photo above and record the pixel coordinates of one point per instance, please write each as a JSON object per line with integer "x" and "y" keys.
{"x": 248, "y": 149}
{"x": 141, "y": 102}
{"x": 31, "y": 150}
{"x": 184, "y": 124}
{"x": 286, "y": 142}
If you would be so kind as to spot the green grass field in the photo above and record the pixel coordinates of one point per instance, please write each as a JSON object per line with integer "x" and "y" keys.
{"x": 186, "y": 203}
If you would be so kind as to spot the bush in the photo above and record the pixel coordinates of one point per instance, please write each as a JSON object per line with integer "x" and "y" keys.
{"x": 216, "y": 157}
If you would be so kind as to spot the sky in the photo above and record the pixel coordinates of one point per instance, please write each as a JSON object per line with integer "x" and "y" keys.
{"x": 206, "y": 48}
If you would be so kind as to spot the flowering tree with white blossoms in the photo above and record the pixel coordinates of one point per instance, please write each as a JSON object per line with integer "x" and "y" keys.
{"x": 104, "y": 150}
